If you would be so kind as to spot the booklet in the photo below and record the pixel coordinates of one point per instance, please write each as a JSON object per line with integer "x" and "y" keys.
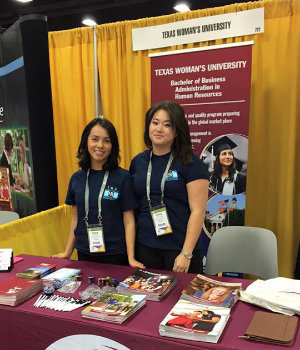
{"x": 61, "y": 274}
{"x": 38, "y": 271}
{"x": 192, "y": 321}
{"x": 208, "y": 291}
{"x": 152, "y": 284}
{"x": 114, "y": 306}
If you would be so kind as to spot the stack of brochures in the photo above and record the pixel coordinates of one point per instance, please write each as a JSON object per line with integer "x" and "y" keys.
{"x": 151, "y": 284}
{"x": 277, "y": 294}
{"x": 38, "y": 271}
{"x": 207, "y": 291}
{"x": 15, "y": 290}
{"x": 114, "y": 306}
{"x": 61, "y": 275}
{"x": 192, "y": 321}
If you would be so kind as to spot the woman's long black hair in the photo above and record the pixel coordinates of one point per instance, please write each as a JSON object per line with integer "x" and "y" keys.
{"x": 218, "y": 170}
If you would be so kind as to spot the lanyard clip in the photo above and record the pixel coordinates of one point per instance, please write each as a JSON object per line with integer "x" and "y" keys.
{"x": 86, "y": 221}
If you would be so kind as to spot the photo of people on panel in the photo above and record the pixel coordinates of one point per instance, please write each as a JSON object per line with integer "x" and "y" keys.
{"x": 15, "y": 161}
{"x": 226, "y": 159}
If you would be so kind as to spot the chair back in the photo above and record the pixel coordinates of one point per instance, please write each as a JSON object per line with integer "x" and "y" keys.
{"x": 8, "y": 216}
{"x": 243, "y": 249}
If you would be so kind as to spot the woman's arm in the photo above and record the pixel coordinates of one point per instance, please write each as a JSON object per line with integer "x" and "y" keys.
{"x": 197, "y": 195}
{"x": 129, "y": 226}
{"x": 66, "y": 254}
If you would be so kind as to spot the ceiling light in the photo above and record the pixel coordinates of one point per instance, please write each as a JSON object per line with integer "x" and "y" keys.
{"x": 181, "y": 7}
{"x": 89, "y": 22}
{"x": 24, "y": 0}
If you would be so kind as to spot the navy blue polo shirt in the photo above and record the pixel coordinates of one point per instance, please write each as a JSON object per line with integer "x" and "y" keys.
{"x": 121, "y": 198}
{"x": 176, "y": 198}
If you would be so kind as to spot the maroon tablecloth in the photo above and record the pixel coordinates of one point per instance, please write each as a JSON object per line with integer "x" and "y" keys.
{"x": 26, "y": 327}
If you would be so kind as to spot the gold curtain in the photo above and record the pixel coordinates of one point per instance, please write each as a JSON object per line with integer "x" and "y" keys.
{"x": 44, "y": 233}
{"x": 72, "y": 81}
{"x": 273, "y": 160}
{"x": 273, "y": 166}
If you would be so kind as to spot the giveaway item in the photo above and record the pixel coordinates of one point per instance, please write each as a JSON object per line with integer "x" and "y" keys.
{"x": 272, "y": 328}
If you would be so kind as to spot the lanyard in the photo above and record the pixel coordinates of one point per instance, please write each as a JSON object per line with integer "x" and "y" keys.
{"x": 86, "y": 197}
{"x": 163, "y": 180}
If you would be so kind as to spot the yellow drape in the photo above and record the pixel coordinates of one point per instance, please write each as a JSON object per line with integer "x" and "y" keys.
{"x": 44, "y": 233}
{"x": 72, "y": 82}
{"x": 273, "y": 160}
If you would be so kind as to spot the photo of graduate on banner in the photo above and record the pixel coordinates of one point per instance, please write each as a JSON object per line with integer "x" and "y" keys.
{"x": 226, "y": 160}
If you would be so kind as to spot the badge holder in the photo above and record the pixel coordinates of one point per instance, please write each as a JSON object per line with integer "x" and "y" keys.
{"x": 161, "y": 220}
{"x": 96, "y": 238}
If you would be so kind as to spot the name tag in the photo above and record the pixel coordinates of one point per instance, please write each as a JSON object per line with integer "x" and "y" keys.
{"x": 96, "y": 238}
{"x": 161, "y": 220}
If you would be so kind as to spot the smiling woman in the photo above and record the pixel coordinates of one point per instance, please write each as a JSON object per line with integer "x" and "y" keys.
{"x": 225, "y": 178}
{"x": 171, "y": 185}
{"x": 101, "y": 195}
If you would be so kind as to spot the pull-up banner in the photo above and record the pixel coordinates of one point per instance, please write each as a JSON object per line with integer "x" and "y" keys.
{"x": 212, "y": 84}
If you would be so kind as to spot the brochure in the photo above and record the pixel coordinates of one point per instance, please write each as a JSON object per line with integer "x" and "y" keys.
{"x": 207, "y": 291}
{"x": 192, "y": 321}
{"x": 151, "y": 284}
{"x": 114, "y": 306}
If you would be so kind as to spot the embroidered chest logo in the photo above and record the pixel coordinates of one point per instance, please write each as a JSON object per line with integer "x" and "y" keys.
{"x": 172, "y": 175}
{"x": 111, "y": 193}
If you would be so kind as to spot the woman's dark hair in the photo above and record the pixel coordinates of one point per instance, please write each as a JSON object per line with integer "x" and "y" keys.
{"x": 218, "y": 170}
{"x": 182, "y": 145}
{"x": 83, "y": 153}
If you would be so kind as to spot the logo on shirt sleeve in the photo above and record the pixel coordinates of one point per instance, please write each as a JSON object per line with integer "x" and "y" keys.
{"x": 111, "y": 193}
{"x": 172, "y": 175}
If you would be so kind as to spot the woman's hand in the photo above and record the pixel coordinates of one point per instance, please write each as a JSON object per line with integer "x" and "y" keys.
{"x": 181, "y": 264}
{"x": 135, "y": 263}
{"x": 60, "y": 256}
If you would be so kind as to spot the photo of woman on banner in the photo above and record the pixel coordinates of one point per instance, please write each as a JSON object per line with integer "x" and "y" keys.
{"x": 5, "y": 158}
{"x": 24, "y": 177}
{"x": 226, "y": 175}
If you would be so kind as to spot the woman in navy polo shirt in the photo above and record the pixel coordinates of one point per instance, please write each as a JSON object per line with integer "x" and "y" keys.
{"x": 101, "y": 195}
{"x": 171, "y": 184}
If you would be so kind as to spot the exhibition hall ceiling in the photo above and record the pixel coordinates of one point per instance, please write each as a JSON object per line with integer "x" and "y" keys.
{"x": 67, "y": 14}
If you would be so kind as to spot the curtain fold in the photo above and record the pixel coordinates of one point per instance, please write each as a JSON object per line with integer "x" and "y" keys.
{"x": 273, "y": 160}
{"x": 72, "y": 82}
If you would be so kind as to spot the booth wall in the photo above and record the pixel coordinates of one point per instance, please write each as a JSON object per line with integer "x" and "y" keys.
{"x": 274, "y": 146}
